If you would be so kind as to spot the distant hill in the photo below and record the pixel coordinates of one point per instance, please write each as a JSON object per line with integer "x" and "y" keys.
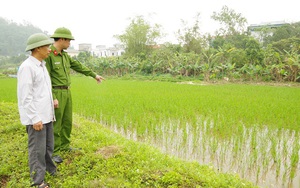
{"x": 13, "y": 37}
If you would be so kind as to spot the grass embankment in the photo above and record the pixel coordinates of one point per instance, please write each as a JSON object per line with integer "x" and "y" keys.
{"x": 107, "y": 160}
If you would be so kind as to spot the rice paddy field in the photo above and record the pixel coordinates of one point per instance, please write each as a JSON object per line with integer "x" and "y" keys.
{"x": 248, "y": 129}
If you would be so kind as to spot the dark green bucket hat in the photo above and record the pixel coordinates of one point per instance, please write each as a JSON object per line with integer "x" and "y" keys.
{"x": 62, "y": 32}
{"x": 37, "y": 40}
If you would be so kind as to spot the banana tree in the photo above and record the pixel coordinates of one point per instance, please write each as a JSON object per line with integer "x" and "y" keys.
{"x": 293, "y": 65}
{"x": 209, "y": 61}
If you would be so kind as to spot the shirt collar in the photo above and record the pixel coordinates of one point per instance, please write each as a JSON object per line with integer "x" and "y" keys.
{"x": 36, "y": 61}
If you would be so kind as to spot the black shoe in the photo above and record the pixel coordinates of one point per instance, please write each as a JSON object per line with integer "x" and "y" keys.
{"x": 57, "y": 159}
{"x": 55, "y": 173}
{"x": 42, "y": 185}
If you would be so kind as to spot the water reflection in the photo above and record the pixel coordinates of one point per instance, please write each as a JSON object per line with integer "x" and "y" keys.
{"x": 269, "y": 158}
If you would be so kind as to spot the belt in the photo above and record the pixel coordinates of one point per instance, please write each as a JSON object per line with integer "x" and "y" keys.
{"x": 61, "y": 87}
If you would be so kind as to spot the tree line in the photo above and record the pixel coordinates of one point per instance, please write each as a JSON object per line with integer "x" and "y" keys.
{"x": 230, "y": 53}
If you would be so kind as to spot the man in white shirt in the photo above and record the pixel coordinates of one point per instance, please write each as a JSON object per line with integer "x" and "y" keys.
{"x": 36, "y": 108}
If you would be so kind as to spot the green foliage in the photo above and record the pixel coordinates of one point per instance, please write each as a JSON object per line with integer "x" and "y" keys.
{"x": 84, "y": 57}
{"x": 237, "y": 41}
{"x": 253, "y": 51}
{"x": 11, "y": 60}
{"x": 284, "y": 32}
{"x": 9, "y": 65}
{"x": 190, "y": 37}
{"x": 287, "y": 44}
{"x": 139, "y": 37}
{"x": 232, "y": 23}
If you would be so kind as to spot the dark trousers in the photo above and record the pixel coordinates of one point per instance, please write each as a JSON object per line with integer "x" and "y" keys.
{"x": 40, "y": 150}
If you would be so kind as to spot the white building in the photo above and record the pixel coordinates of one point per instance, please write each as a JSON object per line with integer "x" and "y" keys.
{"x": 103, "y": 51}
{"x": 85, "y": 47}
{"x": 72, "y": 52}
{"x": 99, "y": 51}
{"x": 266, "y": 29}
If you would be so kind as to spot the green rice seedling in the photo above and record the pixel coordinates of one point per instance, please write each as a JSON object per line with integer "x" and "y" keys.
{"x": 8, "y": 89}
{"x": 294, "y": 157}
{"x": 172, "y": 116}
{"x": 294, "y": 166}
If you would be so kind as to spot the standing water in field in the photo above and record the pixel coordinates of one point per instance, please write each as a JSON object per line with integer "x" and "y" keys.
{"x": 269, "y": 158}
{"x": 236, "y": 128}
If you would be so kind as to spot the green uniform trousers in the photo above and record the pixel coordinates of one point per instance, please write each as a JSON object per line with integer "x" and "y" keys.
{"x": 63, "y": 123}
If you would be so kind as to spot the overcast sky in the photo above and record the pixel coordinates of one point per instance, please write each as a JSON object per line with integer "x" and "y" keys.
{"x": 96, "y": 21}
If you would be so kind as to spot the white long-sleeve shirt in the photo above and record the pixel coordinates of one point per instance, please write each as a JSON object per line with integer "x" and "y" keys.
{"x": 35, "y": 100}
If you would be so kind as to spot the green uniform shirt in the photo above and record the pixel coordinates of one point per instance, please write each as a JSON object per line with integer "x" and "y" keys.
{"x": 59, "y": 65}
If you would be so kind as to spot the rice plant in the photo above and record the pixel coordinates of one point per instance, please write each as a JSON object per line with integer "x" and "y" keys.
{"x": 248, "y": 129}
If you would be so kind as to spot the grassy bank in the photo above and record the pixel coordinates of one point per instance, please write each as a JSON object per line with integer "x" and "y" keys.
{"x": 107, "y": 160}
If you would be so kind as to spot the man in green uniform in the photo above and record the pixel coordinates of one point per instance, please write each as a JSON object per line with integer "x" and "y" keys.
{"x": 59, "y": 64}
